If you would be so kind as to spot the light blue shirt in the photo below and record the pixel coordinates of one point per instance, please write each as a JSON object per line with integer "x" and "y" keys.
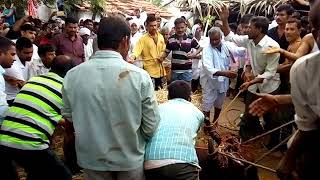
{"x": 3, "y": 96}
{"x": 176, "y": 134}
{"x": 114, "y": 111}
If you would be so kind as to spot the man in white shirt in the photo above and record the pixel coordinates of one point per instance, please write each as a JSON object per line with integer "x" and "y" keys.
{"x": 215, "y": 73}
{"x": 17, "y": 75}
{"x": 28, "y": 31}
{"x": 7, "y": 53}
{"x": 141, "y": 17}
{"x": 264, "y": 67}
{"x": 47, "y": 53}
{"x": 85, "y": 34}
{"x": 303, "y": 154}
{"x": 135, "y": 36}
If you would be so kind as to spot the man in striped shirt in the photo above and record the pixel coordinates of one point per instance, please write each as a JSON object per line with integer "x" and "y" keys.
{"x": 26, "y": 131}
{"x": 181, "y": 44}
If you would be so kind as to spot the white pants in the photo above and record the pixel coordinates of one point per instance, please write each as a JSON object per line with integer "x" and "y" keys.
{"x": 212, "y": 97}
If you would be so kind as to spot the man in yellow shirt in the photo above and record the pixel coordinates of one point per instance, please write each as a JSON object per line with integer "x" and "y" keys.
{"x": 150, "y": 47}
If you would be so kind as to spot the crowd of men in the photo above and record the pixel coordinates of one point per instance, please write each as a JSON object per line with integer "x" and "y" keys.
{"x": 98, "y": 82}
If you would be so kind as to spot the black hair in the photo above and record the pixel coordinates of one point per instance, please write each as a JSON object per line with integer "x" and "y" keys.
{"x": 287, "y": 8}
{"x": 179, "y": 21}
{"x": 179, "y": 89}
{"x": 305, "y": 20}
{"x": 233, "y": 26}
{"x": 87, "y": 21}
{"x": 95, "y": 23}
{"x": 245, "y": 19}
{"x": 111, "y": 31}
{"x": 27, "y": 27}
{"x": 23, "y": 42}
{"x": 62, "y": 67}
{"x": 151, "y": 18}
{"x": 43, "y": 49}
{"x": 183, "y": 17}
{"x": 296, "y": 15}
{"x": 37, "y": 22}
{"x": 70, "y": 20}
{"x": 197, "y": 21}
{"x": 261, "y": 22}
{"x": 5, "y": 44}
{"x": 315, "y": 15}
{"x": 294, "y": 20}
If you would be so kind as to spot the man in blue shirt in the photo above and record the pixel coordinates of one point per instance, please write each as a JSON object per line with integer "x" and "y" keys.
{"x": 170, "y": 153}
{"x": 112, "y": 107}
{"x": 7, "y": 53}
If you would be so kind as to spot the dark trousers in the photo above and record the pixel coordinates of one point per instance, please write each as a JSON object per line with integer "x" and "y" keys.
{"x": 239, "y": 78}
{"x": 195, "y": 84}
{"x": 157, "y": 82}
{"x": 38, "y": 164}
{"x": 179, "y": 171}
{"x": 250, "y": 125}
{"x": 10, "y": 102}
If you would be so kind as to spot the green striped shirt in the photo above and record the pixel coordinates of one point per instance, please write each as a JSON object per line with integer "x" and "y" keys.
{"x": 31, "y": 120}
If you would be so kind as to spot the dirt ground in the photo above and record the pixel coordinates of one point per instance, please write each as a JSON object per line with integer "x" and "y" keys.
{"x": 227, "y": 123}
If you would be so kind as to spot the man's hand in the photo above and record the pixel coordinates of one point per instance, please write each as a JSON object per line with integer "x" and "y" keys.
{"x": 161, "y": 59}
{"x": 247, "y": 76}
{"x": 224, "y": 13}
{"x": 272, "y": 50}
{"x": 130, "y": 59}
{"x": 263, "y": 104}
{"x": 190, "y": 55}
{"x": 13, "y": 81}
{"x": 245, "y": 86}
{"x": 231, "y": 74}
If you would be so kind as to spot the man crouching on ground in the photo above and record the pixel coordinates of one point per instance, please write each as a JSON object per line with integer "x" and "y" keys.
{"x": 170, "y": 153}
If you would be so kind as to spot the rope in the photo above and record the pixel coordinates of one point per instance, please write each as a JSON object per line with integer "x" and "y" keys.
{"x": 270, "y": 151}
{"x": 268, "y": 132}
{"x": 227, "y": 107}
{"x": 248, "y": 162}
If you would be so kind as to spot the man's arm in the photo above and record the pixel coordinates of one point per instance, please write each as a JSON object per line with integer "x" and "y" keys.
{"x": 209, "y": 68}
{"x": 229, "y": 35}
{"x": 267, "y": 102}
{"x": 195, "y": 45}
{"x": 303, "y": 49}
{"x": 66, "y": 109}
{"x": 150, "y": 110}
{"x": 270, "y": 71}
{"x": 224, "y": 15}
{"x": 284, "y": 68}
{"x": 137, "y": 49}
{"x": 167, "y": 51}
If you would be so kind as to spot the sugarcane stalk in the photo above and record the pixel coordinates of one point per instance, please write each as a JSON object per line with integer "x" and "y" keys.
{"x": 207, "y": 23}
{"x": 227, "y": 107}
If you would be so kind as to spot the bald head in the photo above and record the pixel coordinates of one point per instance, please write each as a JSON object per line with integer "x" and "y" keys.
{"x": 315, "y": 20}
{"x": 61, "y": 65}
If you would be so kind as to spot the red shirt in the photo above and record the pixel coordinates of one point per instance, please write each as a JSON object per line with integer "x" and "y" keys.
{"x": 74, "y": 49}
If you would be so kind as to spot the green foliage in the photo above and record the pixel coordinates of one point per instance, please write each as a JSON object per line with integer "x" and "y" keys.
{"x": 209, "y": 18}
{"x": 97, "y": 6}
{"x": 156, "y": 2}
